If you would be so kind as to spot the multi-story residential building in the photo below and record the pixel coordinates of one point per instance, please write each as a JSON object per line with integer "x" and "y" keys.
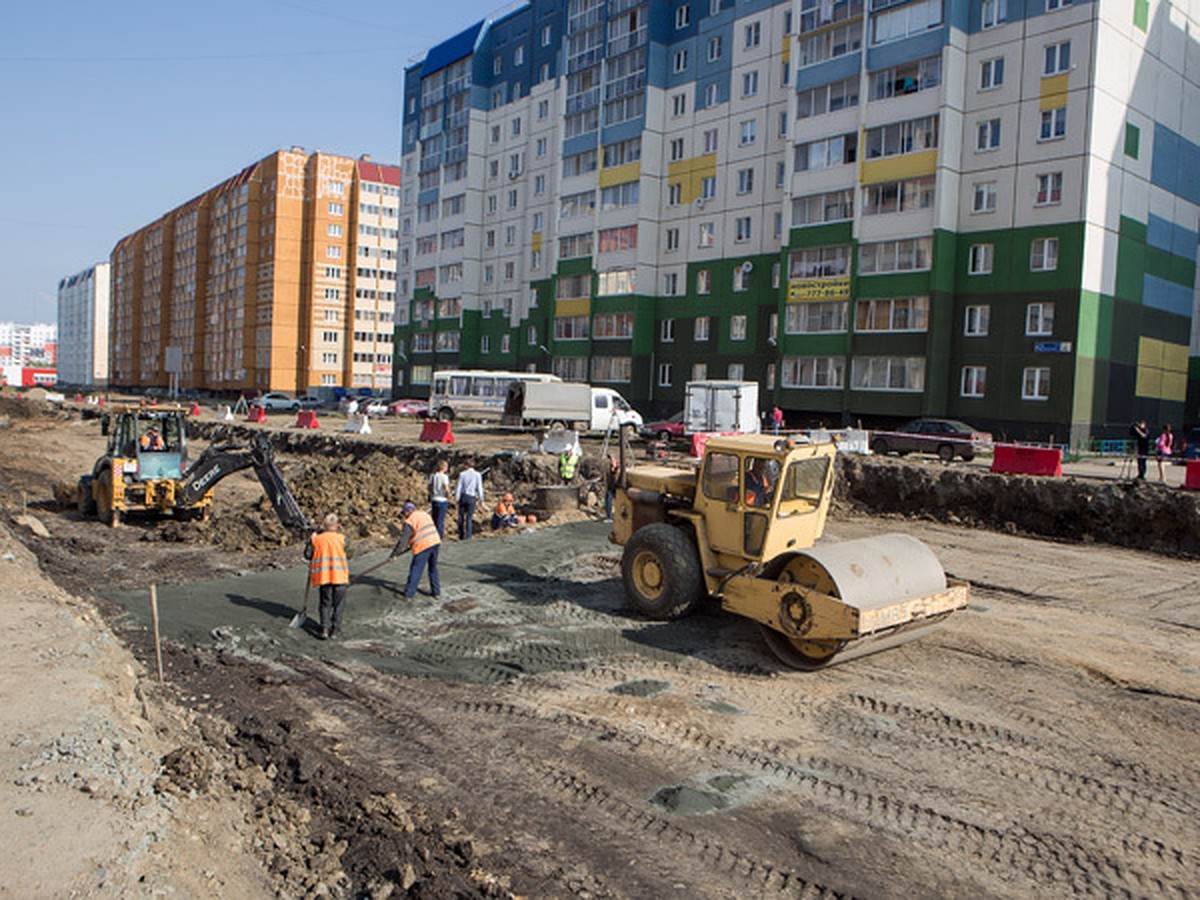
{"x": 83, "y": 306}
{"x": 875, "y": 208}
{"x": 280, "y": 278}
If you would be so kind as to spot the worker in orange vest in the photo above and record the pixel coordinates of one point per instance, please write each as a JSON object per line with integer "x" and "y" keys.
{"x": 420, "y": 536}
{"x": 330, "y": 571}
{"x": 505, "y": 514}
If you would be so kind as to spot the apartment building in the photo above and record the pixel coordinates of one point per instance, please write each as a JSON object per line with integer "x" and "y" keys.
{"x": 83, "y": 307}
{"x": 279, "y": 278}
{"x": 876, "y": 209}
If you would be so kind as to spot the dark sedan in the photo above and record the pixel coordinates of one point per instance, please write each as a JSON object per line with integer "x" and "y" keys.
{"x": 945, "y": 437}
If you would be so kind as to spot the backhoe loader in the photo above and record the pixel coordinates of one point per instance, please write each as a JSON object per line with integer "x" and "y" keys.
{"x": 742, "y": 528}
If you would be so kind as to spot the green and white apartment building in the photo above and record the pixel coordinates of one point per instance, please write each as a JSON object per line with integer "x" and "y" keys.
{"x": 984, "y": 209}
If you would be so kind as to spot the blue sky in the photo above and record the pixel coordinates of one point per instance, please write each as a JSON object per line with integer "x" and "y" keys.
{"x": 113, "y": 113}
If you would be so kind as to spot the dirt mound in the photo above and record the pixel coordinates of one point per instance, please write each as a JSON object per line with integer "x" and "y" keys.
{"x": 14, "y": 407}
{"x": 1127, "y": 514}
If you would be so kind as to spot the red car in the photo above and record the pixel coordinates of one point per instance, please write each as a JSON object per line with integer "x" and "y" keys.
{"x": 664, "y": 429}
{"x": 417, "y": 408}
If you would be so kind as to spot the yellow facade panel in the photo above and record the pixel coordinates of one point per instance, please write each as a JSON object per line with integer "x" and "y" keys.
{"x": 1150, "y": 353}
{"x": 1175, "y": 357}
{"x": 535, "y": 241}
{"x": 1149, "y": 382}
{"x": 897, "y": 168}
{"x": 1053, "y": 92}
{"x": 580, "y": 307}
{"x": 620, "y": 174}
{"x": 1174, "y": 386}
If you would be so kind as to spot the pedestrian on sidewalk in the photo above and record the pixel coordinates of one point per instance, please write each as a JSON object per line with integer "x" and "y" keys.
{"x": 1141, "y": 441}
{"x": 776, "y": 419}
{"x": 1163, "y": 446}
{"x": 468, "y": 491}
{"x": 439, "y": 495}
{"x": 420, "y": 536}
{"x": 329, "y": 570}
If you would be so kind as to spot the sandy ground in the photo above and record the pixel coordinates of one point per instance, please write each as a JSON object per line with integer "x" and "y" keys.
{"x": 526, "y": 735}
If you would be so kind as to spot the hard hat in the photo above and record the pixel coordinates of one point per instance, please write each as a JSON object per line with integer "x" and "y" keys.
{"x": 408, "y": 507}
{"x": 508, "y": 497}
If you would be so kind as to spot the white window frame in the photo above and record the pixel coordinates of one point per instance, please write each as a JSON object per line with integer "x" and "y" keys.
{"x": 1048, "y": 184}
{"x": 981, "y": 259}
{"x": 983, "y": 199}
{"x": 1035, "y": 383}
{"x": 683, "y": 15}
{"x": 1053, "y": 125}
{"x": 976, "y": 320}
{"x": 991, "y": 74}
{"x": 1043, "y": 254}
{"x": 988, "y": 135}
{"x": 973, "y": 382}
{"x": 1056, "y": 59}
{"x": 1039, "y": 319}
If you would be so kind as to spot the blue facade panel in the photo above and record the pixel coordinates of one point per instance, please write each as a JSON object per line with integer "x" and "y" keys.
{"x": 826, "y": 72}
{"x": 1167, "y": 296}
{"x": 579, "y": 144}
{"x": 1166, "y": 235}
{"x": 721, "y": 81}
{"x": 1175, "y": 162}
{"x": 451, "y": 50}
{"x": 612, "y": 134}
{"x": 898, "y": 52}
{"x": 1014, "y": 11}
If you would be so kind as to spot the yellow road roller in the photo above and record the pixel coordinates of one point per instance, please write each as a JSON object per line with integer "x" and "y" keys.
{"x": 741, "y": 527}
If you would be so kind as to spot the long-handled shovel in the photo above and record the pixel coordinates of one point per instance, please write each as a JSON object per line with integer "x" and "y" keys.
{"x": 301, "y": 617}
{"x": 365, "y": 572}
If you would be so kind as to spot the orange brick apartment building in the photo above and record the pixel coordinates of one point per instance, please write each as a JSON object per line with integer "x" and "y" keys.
{"x": 281, "y": 278}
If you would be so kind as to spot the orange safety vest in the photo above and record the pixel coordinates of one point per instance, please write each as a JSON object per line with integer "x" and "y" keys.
{"x": 425, "y": 533}
{"x": 328, "y": 564}
{"x": 504, "y": 508}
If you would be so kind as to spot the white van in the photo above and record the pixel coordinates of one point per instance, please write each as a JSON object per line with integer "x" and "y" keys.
{"x": 569, "y": 405}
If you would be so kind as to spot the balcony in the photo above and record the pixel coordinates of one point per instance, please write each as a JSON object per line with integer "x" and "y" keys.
{"x": 627, "y": 42}
{"x": 580, "y": 102}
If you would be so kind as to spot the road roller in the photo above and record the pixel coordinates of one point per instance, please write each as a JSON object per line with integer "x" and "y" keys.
{"x": 742, "y": 527}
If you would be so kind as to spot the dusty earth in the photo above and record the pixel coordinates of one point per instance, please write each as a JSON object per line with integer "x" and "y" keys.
{"x": 525, "y": 735}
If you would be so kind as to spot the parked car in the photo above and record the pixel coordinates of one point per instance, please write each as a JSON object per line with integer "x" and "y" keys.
{"x": 945, "y": 437}
{"x": 374, "y": 407}
{"x": 409, "y": 408}
{"x": 311, "y": 401}
{"x": 276, "y": 402}
{"x": 664, "y": 429}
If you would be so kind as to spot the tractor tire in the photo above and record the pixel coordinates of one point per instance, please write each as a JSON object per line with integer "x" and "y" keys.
{"x": 880, "y": 446}
{"x": 968, "y": 455}
{"x": 946, "y": 452}
{"x": 84, "y": 501}
{"x": 108, "y": 513}
{"x": 661, "y": 571}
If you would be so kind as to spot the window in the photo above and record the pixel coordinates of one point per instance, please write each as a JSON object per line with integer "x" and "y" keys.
{"x": 813, "y": 371}
{"x": 1054, "y": 124}
{"x": 815, "y": 318}
{"x": 664, "y": 374}
{"x": 988, "y": 135}
{"x": 827, "y": 98}
{"x": 898, "y": 138}
{"x": 616, "y": 282}
{"x": 612, "y": 326}
{"x": 908, "y": 78}
{"x": 1058, "y": 58}
{"x": 676, "y": 149}
{"x": 741, "y": 279}
{"x": 743, "y": 228}
{"x": 710, "y": 140}
{"x": 570, "y": 328}
{"x": 898, "y": 196}
{"x": 333, "y": 252}
{"x": 991, "y": 73}
{"x": 539, "y": 185}
{"x": 906, "y": 255}
{"x": 712, "y": 95}
{"x": 681, "y": 60}
{"x": 1133, "y": 136}
{"x": 749, "y": 132}
{"x": 672, "y": 239}
{"x": 670, "y": 284}
{"x": 714, "y": 48}
{"x": 336, "y": 209}
{"x": 679, "y": 104}
{"x": 706, "y": 235}
{"x": 975, "y": 320}
{"x": 892, "y": 314}
{"x": 674, "y": 193}
{"x": 574, "y": 245}
{"x": 750, "y": 83}
{"x": 1049, "y": 188}
{"x": 611, "y": 240}
{"x": 683, "y": 16}
{"x": 708, "y": 187}
{"x": 827, "y": 152}
{"x": 543, "y": 108}
{"x": 700, "y": 329}
{"x": 830, "y": 44}
{"x": 546, "y": 35}
{"x": 333, "y": 230}
{"x": 619, "y": 195}
{"x": 540, "y": 150}
{"x": 753, "y": 35}
{"x": 666, "y": 331}
{"x": 1039, "y": 319}
{"x": 495, "y": 134}
{"x": 820, "y": 262}
{"x": 617, "y": 369}
{"x": 737, "y": 328}
{"x": 980, "y": 259}
{"x": 984, "y": 199}
{"x": 581, "y": 204}
{"x": 622, "y": 152}
{"x": 699, "y": 371}
{"x": 888, "y": 373}
{"x": 1035, "y": 384}
{"x": 909, "y": 19}
{"x": 1043, "y": 255}
{"x": 993, "y": 13}
{"x": 703, "y": 281}
{"x": 745, "y": 181}
{"x": 974, "y": 381}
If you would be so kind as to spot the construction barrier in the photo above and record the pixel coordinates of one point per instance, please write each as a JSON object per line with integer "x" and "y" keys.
{"x": 195, "y": 410}
{"x": 225, "y": 414}
{"x": 257, "y": 414}
{"x": 1011, "y": 459}
{"x": 357, "y": 424}
{"x": 1191, "y": 478}
{"x": 307, "y": 418}
{"x": 438, "y": 432}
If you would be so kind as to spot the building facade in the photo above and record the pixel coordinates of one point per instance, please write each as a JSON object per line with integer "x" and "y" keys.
{"x": 35, "y": 346}
{"x": 83, "y": 307}
{"x": 280, "y": 278}
{"x": 876, "y": 209}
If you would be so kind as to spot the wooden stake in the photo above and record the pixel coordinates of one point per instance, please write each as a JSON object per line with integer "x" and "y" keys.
{"x": 154, "y": 620}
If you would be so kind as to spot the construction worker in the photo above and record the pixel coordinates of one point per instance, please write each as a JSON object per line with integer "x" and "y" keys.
{"x": 568, "y": 462}
{"x": 330, "y": 571}
{"x": 152, "y": 440}
{"x": 760, "y": 485}
{"x": 421, "y": 537}
{"x": 505, "y": 515}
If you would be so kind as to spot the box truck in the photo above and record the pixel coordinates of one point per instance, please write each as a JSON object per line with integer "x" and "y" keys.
{"x": 568, "y": 405}
{"x": 721, "y": 406}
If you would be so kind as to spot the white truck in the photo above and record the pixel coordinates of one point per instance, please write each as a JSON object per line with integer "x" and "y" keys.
{"x": 568, "y": 405}
{"x": 721, "y": 406}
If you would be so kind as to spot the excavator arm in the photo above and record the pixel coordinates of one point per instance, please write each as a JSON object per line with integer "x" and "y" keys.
{"x": 219, "y": 462}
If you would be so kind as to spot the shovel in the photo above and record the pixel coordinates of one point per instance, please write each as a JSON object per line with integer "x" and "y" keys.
{"x": 365, "y": 572}
{"x": 301, "y": 617}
